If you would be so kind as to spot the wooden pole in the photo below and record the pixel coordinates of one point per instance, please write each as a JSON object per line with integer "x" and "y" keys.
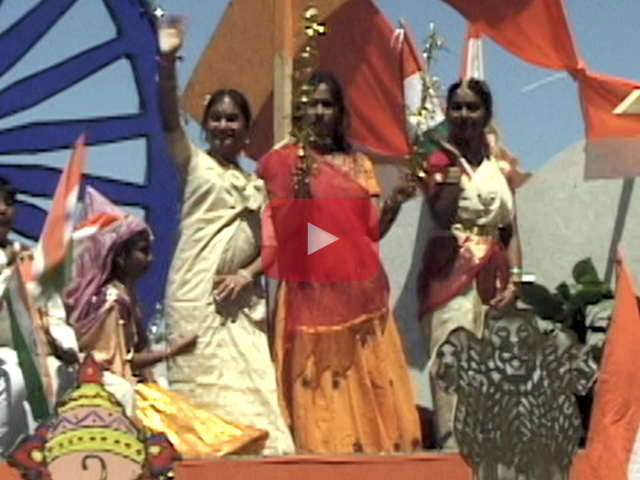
{"x": 284, "y": 43}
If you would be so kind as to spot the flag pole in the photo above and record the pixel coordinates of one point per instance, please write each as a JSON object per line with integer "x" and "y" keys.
{"x": 618, "y": 226}
{"x": 284, "y": 43}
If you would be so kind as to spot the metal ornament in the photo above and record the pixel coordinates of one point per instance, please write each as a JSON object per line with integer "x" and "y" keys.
{"x": 304, "y": 65}
{"x": 516, "y": 414}
{"x": 424, "y": 118}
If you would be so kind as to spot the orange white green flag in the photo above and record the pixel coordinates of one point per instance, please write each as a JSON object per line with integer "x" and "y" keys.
{"x": 33, "y": 281}
{"x": 52, "y": 256}
{"x": 472, "y": 65}
{"x": 30, "y": 344}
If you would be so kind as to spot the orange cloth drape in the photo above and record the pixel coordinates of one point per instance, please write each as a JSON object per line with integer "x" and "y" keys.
{"x": 615, "y": 418}
{"x": 537, "y": 31}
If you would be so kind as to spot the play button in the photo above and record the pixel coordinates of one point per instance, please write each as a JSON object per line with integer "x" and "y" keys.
{"x": 295, "y": 232}
{"x": 318, "y": 238}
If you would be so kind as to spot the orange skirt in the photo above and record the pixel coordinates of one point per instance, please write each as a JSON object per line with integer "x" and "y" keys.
{"x": 346, "y": 391}
{"x": 194, "y": 432}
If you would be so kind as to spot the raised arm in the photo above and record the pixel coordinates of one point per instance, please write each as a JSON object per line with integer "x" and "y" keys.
{"x": 170, "y": 41}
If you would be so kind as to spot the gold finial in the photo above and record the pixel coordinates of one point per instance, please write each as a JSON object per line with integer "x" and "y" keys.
{"x": 312, "y": 26}
{"x": 433, "y": 44}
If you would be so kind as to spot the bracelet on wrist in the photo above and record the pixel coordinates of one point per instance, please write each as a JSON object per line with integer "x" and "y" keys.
{"x": 245, "y": 273}
{"x": 168, "y": 60}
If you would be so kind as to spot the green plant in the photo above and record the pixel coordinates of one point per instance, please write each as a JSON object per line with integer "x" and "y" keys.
{"x": 567, "y": 305}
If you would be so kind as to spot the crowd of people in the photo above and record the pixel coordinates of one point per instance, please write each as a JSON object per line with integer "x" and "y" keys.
{"x": 331, "y": 376}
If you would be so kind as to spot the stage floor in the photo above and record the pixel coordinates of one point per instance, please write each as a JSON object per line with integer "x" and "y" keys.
{"x": 353, "y": 467}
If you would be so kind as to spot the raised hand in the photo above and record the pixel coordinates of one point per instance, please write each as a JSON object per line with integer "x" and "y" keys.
{"x": 170, "y": 33}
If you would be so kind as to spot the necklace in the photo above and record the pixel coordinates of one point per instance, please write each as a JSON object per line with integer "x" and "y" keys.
{"x": 346, "y": 163}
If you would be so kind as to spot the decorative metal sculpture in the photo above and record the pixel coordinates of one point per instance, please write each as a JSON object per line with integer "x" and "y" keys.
{"x": 516, "y": 415}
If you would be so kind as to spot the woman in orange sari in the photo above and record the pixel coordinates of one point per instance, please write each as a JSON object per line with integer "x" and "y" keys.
{"x": 474, "y": 259}
{"x": 343, "y": 379}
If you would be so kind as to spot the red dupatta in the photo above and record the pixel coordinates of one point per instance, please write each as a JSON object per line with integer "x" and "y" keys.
{"x": 324, "y": 306}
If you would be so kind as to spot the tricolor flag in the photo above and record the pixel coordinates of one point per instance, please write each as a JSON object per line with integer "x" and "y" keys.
{"x": 93, "y": 225}
{"x": 472, "y": 65}
{"x": 98, "y": 213}
{"x": 47, "y": 272}
{"x": 27, "y": 335}
{"x": 413, "y": 73}
{"x": 613, "y": 447}
{"x": 52, "y": 256}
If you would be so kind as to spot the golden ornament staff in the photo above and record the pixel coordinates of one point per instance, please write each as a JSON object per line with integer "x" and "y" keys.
{"x": 424, "y": 119}
{"x": 303, "y": 69}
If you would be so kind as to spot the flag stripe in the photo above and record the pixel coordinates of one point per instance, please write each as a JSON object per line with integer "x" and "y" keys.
{"x": 472, "y": 65}
{"x": 58, "y": 226}
{"x": 29, "y": 347}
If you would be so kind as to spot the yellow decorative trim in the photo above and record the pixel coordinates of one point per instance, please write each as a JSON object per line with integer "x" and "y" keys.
{"x": 367, "y": 317}
{"x": 476, "y": 230}
{"x": 91, "y": 439}
{"x": 90, "y": 395}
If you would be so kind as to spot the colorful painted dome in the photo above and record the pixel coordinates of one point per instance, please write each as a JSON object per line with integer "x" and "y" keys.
{"x": 91, "y": 419}
{"x": 90, "y": 432}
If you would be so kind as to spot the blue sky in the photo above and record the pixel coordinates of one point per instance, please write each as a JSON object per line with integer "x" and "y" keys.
{"x": 537, "y": 124}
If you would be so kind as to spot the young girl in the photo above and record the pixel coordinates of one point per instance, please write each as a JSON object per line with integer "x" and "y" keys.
{"x": 102, "y": 303}
{"x": 103, "y": 309}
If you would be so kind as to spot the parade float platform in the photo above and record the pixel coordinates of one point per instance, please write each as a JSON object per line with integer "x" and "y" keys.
{"x": 437, "y": 466}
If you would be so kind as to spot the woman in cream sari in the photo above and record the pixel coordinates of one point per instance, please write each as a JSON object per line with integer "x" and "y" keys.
{"x": 474, "y": 259}
{"x": 214, "y": 284}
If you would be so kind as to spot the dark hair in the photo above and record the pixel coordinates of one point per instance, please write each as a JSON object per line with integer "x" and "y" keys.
{"x": 480, "y": 88}
{"x": 235, "y": 96}
{"x": 335, "y": 90}
{"x": 6, "y": 187}
{"x": 124, "y": 249}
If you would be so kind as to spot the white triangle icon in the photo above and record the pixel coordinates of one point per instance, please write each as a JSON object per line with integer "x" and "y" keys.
{"x": 318, "y": 238}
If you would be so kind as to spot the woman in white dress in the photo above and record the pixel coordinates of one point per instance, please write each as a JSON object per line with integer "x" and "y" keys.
{"x": 214, "y": 285}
